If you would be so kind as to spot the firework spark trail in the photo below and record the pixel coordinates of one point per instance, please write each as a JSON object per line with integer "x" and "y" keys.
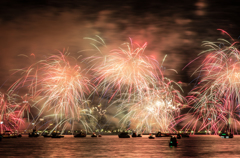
{"x": 152, "y": 111}
{"x": 137, "y": 84}
{"x": 24, "y": 103}
{"x": 63, "y": 86}
{"x": 57, "y": 85}
{"x": 216, "y": 97}
{"x": 10, "y": 119}
{"x": 125, "y": 71}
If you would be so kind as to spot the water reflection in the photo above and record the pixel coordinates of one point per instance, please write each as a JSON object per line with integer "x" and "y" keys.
{"x": 112, "y": 146}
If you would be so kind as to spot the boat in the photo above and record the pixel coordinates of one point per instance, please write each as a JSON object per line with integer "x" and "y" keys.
{"x": 179, "y": 136}
{"x": 134, "y": 135}
{"x": 14, "y": 135}
{"x": 226, "y": 135}
{"x": 94, "y": 135}
{"x": 159, "y": 134}
{"x": 8, "y": 134}
{"x": 173, "y": 141}
{"x": 0, "y": 137}
{"x": 123, "y": 135}
{"x": 34, "y": 133}
{"x": 139, "y": 135}
{"x": 99, "y": 135}
{"x": 151, "y": 137}
{"x": 47, "y": 135}
{"x": 57, "y": 135}
{"x": 81, "y": 134}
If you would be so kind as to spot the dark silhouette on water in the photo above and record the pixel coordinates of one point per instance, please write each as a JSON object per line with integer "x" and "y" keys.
{"x": 57, "y": 135}
{"x": 173, "y": 141}
{"x": 34, "y": 133}
{"x": 227, "y": 133}
{"x": 151, "y": 137}
{"x": 159, "y": 134}
{"x": 81, "y": 134}
{"x": 0, "y": 137}
{"x": 179, "y": 136}
{"x": 9, "y": 134}
{"x": 123, "y": 135}
{"x": 134, "y": 135}
{"x": 46, "y": 135}
{"x": 94, "y": 135}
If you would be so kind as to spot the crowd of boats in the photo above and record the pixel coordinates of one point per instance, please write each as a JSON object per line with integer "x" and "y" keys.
{"x": 173, "y": 137}
{"x": 172, "y": 142}
{"x": 34, "y": 133}
{"x": 9, "y": 134}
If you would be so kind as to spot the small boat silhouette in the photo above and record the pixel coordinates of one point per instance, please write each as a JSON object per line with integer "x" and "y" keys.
{"x": 57, "y": 135}
{"x": 94, "y": 135}
{"x": 81, "y": 134}
{"x": 179, "y": 136}
{"x": 134, "y": 135}
{"x": 173, "y": 141}
{"x": 159, "y": 134}
{"x": 34, "y": 133}
{"x": 226, "y": 135}
{"x": 139, "y": 135}
{"x": 47, "y": 135}
{"x": 123, "y": 135}
{"x": 151, "y": 136}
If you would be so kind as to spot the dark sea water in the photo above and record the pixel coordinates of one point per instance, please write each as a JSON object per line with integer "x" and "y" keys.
{"x": 112, "y": 146}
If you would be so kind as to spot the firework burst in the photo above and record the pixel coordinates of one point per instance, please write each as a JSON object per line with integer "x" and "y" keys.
{"x": 152, "y": 111}
{"x": 216, "y": 97}
{"x": 125, "y": 71}
{"x": 58, "y": 85}
{"x": 10, "y": 119}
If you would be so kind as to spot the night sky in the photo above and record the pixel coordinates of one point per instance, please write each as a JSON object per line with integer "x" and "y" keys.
{"x": 175, "y": 28}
